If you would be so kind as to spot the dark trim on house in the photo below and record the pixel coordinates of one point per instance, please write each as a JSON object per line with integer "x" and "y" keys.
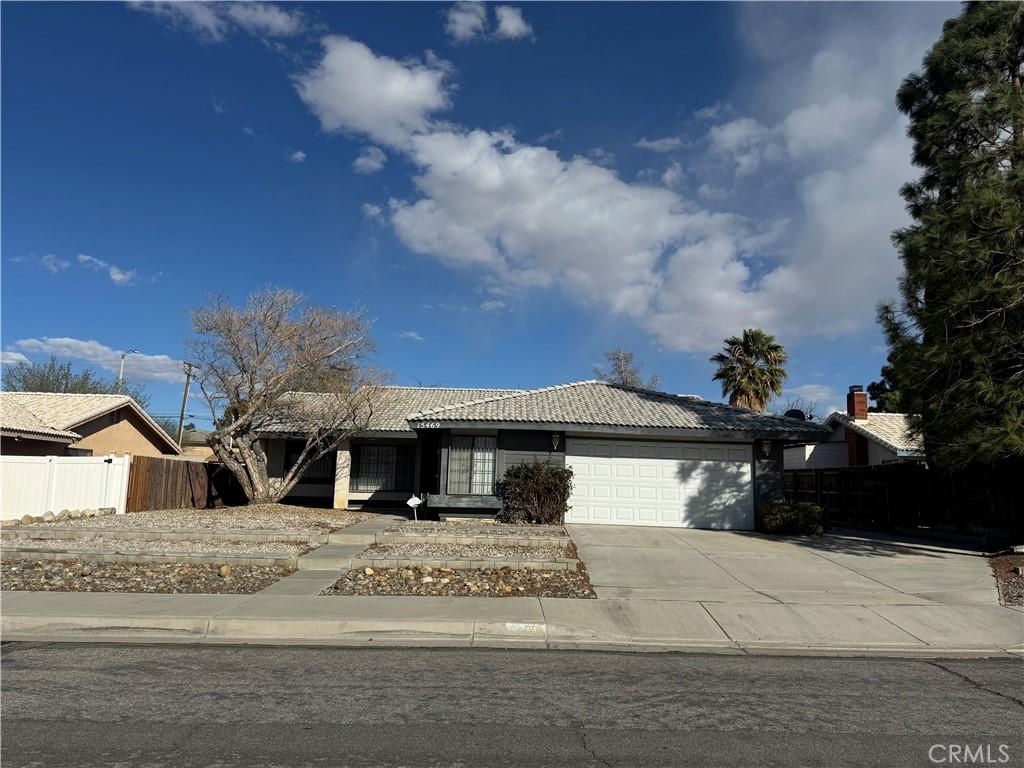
{"x": 649, "y": 434}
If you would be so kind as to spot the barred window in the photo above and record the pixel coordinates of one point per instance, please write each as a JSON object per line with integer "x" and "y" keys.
{"x": 471, "y": 464}
{"x": 320, "y": 470}
{"x": 382, "y": 468}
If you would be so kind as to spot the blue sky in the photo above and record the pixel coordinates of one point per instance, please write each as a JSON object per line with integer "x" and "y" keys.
{"x": 508, "y": 191}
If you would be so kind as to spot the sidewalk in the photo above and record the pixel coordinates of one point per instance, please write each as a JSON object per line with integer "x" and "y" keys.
{"x": 610, "y": 624}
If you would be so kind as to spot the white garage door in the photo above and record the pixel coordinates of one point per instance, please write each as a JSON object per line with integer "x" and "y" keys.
{"x": 689, "y": 485}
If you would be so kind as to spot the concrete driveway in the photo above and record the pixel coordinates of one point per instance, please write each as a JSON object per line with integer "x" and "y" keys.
{"x": 682, "y": 564}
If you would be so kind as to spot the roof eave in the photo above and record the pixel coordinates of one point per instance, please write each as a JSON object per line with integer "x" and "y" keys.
{"x": 25, "y": 434}
{"x": 735, "y": 435}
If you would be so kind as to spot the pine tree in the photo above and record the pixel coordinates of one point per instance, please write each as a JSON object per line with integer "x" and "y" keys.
{"x": 957, "y": 340}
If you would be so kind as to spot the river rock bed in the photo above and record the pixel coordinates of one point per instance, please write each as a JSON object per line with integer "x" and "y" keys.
{"x": 256, "y": 517}
{"x": 1009, "y": 582}
{"x": 143, "y": 547}
{"x": 425, "y": 581}
{"x": 478, "y": 528}
{"x": 170, "y": 578}
{"x": 428, "y": 551}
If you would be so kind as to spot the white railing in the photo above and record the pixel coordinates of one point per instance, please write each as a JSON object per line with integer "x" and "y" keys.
{"x": 33, "y": 485}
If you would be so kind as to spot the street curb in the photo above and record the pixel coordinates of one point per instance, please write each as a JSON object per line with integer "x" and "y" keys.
{"x": 447, "y": 633}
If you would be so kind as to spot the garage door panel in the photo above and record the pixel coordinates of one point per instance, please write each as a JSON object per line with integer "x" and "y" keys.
{"x": 661, "y": 484}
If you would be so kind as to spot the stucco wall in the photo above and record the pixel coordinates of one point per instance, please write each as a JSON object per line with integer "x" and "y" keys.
{"x": 768, "y": 481}
{"x": 879, "y": 454}
{"x": 119, "y": 433}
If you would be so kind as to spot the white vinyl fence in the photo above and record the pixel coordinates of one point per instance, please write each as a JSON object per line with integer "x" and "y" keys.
{"x": 32, "y": 485}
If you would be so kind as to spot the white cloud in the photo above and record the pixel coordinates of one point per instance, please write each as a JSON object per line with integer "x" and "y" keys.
{"x": 816, "y": 393}
{"x": 709, "y": 192}
{"x": 602, "y": 156}
{"x": 354, "y": 90}
{"x": 555, "y": 135}
{"x": 410, "y": 335}
{"x": 664, "y": 145}
{"x": 138, "y": 367}
{"x": 118, "y": 276}
{"x": 528, "y": 218}
{"x": 747, "y": 141}
{"x": 511, "y": 24}
{"x": 262, "y": 19}
{"x": 673, "y": 175}
{"x": 248, "y": 131}
{"x": 54, "y": 264}
{"x": 521, "y": 217}
{"x": 219, "y": 105}
{"x": 372, "y": 212}
{"x": 370, "y": 160}
{"x": 466, "y": 20}
{"x": 715, "y": 111}
{"x": 298, "y": 156}
{"x": 492, "y": 305}
{"x": 212, "y": 22}
{"x": 12, "y": 358}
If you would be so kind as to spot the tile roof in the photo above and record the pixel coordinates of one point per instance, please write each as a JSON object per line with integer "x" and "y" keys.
{"x": 891, "y": 430}
{"x": 16, "y": 418}
{"x": 61, "y": 412}
{"x": 398, "y": 402}
{"x": 598, "y": 403}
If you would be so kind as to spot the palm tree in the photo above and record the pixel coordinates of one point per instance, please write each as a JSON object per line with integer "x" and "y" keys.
{"x": 750, "y": 369}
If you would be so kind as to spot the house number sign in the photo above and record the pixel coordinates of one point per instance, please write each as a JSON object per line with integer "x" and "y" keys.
{"x": 428, "y": 425}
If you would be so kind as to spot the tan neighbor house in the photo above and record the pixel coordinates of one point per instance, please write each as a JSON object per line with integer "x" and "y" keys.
{"x": 61, "y": 424}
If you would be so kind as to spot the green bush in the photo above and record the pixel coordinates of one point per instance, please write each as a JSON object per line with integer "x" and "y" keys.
{"x": 536, "y": 492}
{"x": 800, "y": 517}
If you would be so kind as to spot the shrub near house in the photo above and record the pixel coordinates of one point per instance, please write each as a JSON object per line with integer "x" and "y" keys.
{"x": 794, "y": 518}
{"x": 535, "y": 492}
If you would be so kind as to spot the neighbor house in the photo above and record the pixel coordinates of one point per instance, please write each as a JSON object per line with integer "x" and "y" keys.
{"x": 859, "y": 438}
{"x": 60, "y": 424}
{"x": 639, "y": 457}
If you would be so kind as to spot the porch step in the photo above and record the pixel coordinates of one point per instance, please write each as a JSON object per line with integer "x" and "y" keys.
{"x": 330, "y": 557}
{"x": 365, "y": 532}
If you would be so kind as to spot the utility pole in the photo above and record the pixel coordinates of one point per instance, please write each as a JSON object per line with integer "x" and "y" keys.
{"x": 120, "y": 372}
{"x": 184, "y": 400}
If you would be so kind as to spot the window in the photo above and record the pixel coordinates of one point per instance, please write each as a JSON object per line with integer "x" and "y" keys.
{"x": 382, "y": 467}
{"x": 320, "y": 471}
{"x": 471, "y": 464}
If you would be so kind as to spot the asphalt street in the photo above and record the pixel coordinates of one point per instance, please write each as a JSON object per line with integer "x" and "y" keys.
{"x": 177, "y": 705}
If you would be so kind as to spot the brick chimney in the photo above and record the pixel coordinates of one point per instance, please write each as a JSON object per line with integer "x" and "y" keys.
{"x": 857, "y": 403}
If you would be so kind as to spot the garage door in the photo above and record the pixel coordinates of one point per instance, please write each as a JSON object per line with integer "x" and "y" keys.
{"x": 689, "y": 485}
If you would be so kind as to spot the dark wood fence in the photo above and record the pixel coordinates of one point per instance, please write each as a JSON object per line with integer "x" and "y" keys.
{"x": 912, "y": 495}
{"x": 156, "y": 483}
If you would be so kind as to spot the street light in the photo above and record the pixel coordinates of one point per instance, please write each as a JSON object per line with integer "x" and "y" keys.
{"x": 120, "y": 373}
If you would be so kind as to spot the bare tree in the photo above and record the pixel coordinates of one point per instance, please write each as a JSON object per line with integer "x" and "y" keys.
{"x": 810, "y": 409}
{"x": 624, "y": 372}
{"x": 278, "y": 366}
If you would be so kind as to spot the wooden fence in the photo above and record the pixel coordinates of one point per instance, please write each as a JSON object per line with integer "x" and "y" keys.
{"x": 157, "y": 483}
{"x": 912, "y": 495}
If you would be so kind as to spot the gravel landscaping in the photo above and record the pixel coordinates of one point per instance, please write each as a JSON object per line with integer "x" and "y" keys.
{"x": 177, "y": 546}
{"x": 425, "y": 581}
{"x": 255, "y": 517}
{"x": 171, "y": 578}
{"x": 1011, "y": 583}
{"x": 477, "y": 528}
{"x": 471, "y": 551}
